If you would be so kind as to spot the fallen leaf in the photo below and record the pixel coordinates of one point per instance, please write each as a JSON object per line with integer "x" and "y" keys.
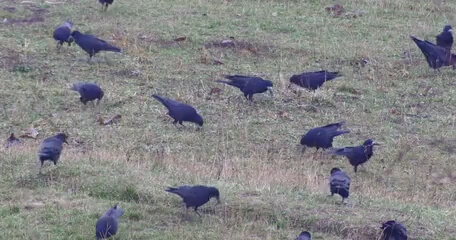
{"x": 215, "y": 91}
{"x": 12, "y": 140}
{"x": 283, "y": 114}
{"x": 217, "y": 62}
{"x": 112, "y": 120}
{"x": 31, "y": 133}
{"x": 335, "y": 9}
{"x": 180, "y": 39}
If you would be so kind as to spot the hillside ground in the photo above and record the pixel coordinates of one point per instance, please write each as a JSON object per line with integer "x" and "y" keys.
{"x": 250, "y": 151}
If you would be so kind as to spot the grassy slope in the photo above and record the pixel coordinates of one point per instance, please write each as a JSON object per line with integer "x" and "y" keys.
{"x": 249, "y": 151}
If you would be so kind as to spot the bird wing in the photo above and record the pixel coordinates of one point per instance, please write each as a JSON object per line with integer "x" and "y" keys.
{"x": 340, "y": 180}
{"x": 51, "y": 145}
{"x": 435, "y": 56}
{"x": 345, "y": 151}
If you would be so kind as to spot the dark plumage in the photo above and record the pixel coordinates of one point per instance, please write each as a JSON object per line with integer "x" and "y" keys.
{"x": 249, "y": 85}
{"x": 51, "y": 148}
{"x": 91, "y": 44}
{"x": 436, "y": 56}
{"x": 357, "y": 155}
{"x": 108, "y": 223}
{"x": 62, "y": 34}
{"x": 12, "y": 140}
{"x": 339, "y": 183}
{"x": 195, "y": 196}
{"x": 180, "y": 112}
{"x": 88, "y": 92}
{"x": 304, "y": 236}
{"x": 322, "y": 137}
{"x": 393, "y": 230}
{"x": 445, "y": 38}
{"x": 105, "y": 3}
{"x": 313, "y": 80}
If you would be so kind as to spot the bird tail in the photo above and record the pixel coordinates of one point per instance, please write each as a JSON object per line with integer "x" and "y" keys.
{"x": 335, "y": 74}
{"x": 163, "y": 100}
{"x": 337, "y": 151}
{"x": 226, "y": 82}
{"x": 112, "y": 48}
{"x": 337, "y": 133}
{"x": 420, "y": 43}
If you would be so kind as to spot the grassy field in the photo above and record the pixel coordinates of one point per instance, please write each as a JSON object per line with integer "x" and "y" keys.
{"x": 250, "y": 151}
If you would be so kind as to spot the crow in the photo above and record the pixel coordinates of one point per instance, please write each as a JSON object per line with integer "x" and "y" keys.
{"x": 12, "y": 140}
{"x": 180, "y": 112}
{"x": 105, "y": 3}
{"x": 393, "y": 230}
{"x": 339, "y": 183}
{"x": 313, "y": 80}
{"x": 322, "y": 137}
{"x": 436, "y": 56}
{"x": 304, "y": 236}
{"x": 62, "y": 34}
{"x": 357, "y": 155}
{"x": 249, "y": 85}
{"x": 195, "y": 196}
{"x": 91, "y": 44}
{"x": 445, "y": 38}
{"x": 51, "y": 148}
{"x": 108, "y": 223}
{"x": 88, "y": 92}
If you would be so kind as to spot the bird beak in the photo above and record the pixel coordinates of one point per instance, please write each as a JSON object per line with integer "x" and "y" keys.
{"x": 270, "y": 91}
{"x": 374, "y": 143}
{"x": 450, "y": 30}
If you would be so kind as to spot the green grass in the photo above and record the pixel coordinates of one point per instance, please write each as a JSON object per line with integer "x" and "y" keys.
{"x": 249, "y": 151}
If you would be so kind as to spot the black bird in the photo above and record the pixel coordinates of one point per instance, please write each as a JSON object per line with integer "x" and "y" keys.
{"x": 12, "y": 140}
{"x": 322, "y": 137}
{"x": 88, "y": 92}
{"x": 62, "y": 34}
{"x": 105, "y": 3}
{"x": 195, "y": 196}
{"x": 180, "y": 112}
{"x": 357, "y": 155}
{"x": 91, "y": 44}
{"x": 436, "y": 56}
{"x": 339, "y": 183}
{"x": 445, "y": 38}
{"x": 304, "y": 236}
{"x": 313, "y": 80}
{"x": 51, "y": 148}
{"x": 108, "y": 223}
{"x": 249, "y": 85}
{"x": 393, "y": 230}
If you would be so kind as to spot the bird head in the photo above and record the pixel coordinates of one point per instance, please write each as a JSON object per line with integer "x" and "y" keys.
{"x": 334, "y": 170}
{"x": 199, "y": 120}
{"x": 68, "y": 24}
{"x": 62, "y": 136}
{"x": 115, "y": 212}
{"x": 448, "y": 28}
{"x": 214, "y": 193}
{"x": 369, "y": 142}
{"x": 75, "y": 34}
{"x": 305, "y": 234}
{"x": 388, "y": 224}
